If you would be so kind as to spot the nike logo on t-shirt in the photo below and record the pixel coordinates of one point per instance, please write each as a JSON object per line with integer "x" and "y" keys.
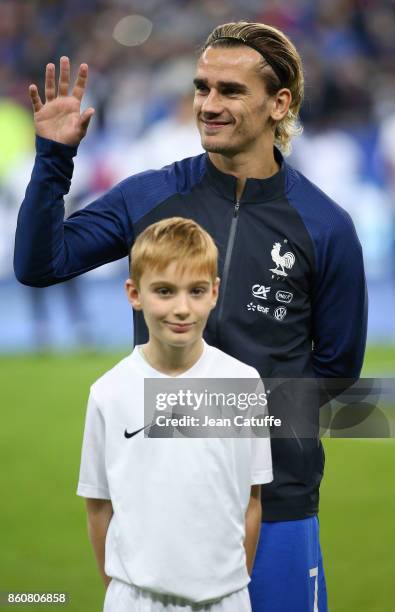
{"x": 130, "y": 435}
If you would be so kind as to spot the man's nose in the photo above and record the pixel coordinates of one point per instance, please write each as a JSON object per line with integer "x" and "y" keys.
{"x": 212, "y": 103}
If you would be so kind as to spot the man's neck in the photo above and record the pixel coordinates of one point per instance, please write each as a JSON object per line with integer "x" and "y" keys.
{"x": 172, "y": 360}
{"x": 246, "y": 165}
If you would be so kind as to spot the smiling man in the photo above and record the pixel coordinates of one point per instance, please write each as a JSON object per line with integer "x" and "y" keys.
{"x": 292, "y": 301}
{"x": 234, "y": 111}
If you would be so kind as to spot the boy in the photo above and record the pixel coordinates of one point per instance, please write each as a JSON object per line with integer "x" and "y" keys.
{"x": 174, "y": 524}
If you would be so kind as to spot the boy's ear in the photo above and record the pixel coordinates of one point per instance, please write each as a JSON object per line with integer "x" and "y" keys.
{"x": 215, "y": 292}
{"x": 133, "y": 294}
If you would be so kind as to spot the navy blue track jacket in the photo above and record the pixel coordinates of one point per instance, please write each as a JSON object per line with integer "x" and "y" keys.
{"x": 292, "y": 298}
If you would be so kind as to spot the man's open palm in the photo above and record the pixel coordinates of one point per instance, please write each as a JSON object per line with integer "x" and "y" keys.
{"x": 60, "y": 117}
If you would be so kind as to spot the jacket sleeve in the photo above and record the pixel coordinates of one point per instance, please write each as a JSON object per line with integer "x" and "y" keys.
{"x": 339, "y": 304}
{"x": 49, "y": 250}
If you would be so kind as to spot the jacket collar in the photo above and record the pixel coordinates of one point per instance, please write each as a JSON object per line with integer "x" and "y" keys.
{"x": 255, "y": 190}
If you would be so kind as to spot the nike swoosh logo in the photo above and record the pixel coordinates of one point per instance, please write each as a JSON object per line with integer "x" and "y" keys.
{"x": 134, "y": 433}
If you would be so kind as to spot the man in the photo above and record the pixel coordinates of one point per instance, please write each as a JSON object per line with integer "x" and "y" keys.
{"x": 292, "y": 300}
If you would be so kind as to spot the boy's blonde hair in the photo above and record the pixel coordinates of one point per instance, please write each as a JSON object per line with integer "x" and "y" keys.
{"x": 174, "y": 240}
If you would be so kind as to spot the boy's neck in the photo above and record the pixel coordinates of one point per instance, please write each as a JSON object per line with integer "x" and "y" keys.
{"x": 172, "y": 360}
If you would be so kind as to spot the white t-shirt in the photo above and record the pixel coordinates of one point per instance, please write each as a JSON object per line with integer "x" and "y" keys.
{"x": 179, "y": 504}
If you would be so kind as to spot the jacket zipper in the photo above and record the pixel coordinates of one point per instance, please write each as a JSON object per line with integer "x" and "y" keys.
{"x": 228, "y": 257}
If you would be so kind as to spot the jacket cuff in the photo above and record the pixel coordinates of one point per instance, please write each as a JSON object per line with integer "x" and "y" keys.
{"x": 44, "y": 146}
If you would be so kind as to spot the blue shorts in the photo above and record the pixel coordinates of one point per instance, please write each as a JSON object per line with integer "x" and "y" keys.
{"x": 288, "y": 575}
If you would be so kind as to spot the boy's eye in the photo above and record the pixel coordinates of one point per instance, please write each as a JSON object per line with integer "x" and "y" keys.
{"x": 198, "y": 290}
{"x": 164, "y": 291}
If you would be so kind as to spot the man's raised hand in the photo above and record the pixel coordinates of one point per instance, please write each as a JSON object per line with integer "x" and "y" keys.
{"x": 60, "y": 117}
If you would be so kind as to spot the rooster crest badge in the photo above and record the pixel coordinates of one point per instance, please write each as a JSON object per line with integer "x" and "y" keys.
{"x": 282, "y": 261}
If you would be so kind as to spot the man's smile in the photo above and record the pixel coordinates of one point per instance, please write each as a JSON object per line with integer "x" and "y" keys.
{"x": 214, "y": 124}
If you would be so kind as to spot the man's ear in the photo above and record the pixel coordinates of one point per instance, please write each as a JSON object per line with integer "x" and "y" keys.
{"x": 215, "y": 291}
{"x": 280, "y": 104}
{"x": 133, "y": 294}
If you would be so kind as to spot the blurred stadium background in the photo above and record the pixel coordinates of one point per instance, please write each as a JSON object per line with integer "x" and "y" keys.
{"x": 54, "y": 342}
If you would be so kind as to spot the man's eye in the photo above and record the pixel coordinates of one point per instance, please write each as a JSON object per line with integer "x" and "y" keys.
{"x": 201, "y": 88}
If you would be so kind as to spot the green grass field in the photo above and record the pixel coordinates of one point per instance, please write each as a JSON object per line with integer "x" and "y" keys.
{"x": 44, "y": 545}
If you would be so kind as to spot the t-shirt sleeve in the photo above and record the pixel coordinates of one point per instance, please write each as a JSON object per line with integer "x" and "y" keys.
{"x": 93, "y": 479}
{"x": 261, "y": 461}
{"x": 261, "y": 454}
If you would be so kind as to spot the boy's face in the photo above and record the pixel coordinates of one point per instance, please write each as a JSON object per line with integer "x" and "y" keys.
{"x": 176, "y": 304}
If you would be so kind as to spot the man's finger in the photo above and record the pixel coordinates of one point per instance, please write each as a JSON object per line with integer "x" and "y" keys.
{"x": 50, "y": 92}
{"x": 64, "y": 76}
{"x": 35, "y": 98}
{"x": 80, "y": 83}
{"x": 86, "y": 117}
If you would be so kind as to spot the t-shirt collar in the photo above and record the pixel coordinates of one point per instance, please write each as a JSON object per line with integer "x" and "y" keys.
{"x": 150, "y": 372}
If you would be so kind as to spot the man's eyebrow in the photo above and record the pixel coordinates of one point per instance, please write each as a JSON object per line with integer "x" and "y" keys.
{"x": 197, "y": 81}
{"x": 223, "y": 84}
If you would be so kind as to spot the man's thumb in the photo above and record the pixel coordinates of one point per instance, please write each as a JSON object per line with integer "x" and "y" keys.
{"x": 86, "y": 117}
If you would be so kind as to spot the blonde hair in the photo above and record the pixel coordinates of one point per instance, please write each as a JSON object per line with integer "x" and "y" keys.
{"x": 280, "y": 54}
{"x": 174, "y": 240}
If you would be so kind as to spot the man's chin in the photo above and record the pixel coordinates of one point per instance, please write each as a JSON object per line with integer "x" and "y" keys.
{"x": 217, "y": 147}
